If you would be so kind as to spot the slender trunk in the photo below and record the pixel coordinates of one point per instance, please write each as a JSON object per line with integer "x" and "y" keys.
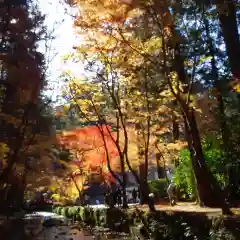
{"x": 142, "y": 170}
{"x": 122, "y": 164}
{"x": 78, "y": 189}
{"x": 146, "y": 136}
{"x": 124, "y": 184}
{"x": 146, "y": 150}
{"x": 175, "y": 128}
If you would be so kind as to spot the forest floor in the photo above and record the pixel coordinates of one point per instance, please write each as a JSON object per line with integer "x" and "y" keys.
{"x": 189, "y": 207}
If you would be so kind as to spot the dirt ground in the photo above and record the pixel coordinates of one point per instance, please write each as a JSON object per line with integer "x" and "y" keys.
{"x": 190, "y": 207}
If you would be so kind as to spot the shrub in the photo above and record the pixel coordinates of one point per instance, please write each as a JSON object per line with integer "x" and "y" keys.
{"x": 72, "y": 211}
{"x": 97, "y": 215}
{"x": 159, "y": 188}
{"x": 87, "y": 215}
{"x": 56, "y": 197}
{"x": 64, "y": 211}
{"x": 184, "y": 176}
{"x": 91, "y": 219}
{"x": 215, "y": 159}
{"x": 57, "y": 210}
{"x": 115, "y": 217}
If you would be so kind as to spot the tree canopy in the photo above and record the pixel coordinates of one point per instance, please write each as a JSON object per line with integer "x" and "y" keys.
{"x": 166, "y": 68}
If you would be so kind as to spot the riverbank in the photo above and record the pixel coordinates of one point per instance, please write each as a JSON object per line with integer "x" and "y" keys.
{"x": 157, "y": 225}
{"x": 51, "y": 226}
{"x": 184, "y": 221}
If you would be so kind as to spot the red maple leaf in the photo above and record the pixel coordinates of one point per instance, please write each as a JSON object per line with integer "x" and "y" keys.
{"x": 88, "y": 143}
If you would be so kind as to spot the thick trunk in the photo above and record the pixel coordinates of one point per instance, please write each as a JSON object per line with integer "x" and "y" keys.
{"x": 143, "y": 186}
{"x": 160, "y": 170}
{"x": 222, "y": 120}
{"x": 193, "y": 176}
{"x": 232, "y": 174}
{"x": 229, "y": 27}
{"x": 221, "y": 107}
{"x": 143, "y": 191}
{"x": 209, "y": 191}
{"x": 218, "y": 88}
{"x": 22, "y": 187}
{"x": 143, "y": 168}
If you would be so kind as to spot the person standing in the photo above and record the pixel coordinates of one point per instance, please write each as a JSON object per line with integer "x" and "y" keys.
{"x": 151, "y": 202}
{"x": 119, "y": 200}
{"x": 86, "y": 199}
{"x": 172, "y": 193}
{"x": 134, "y": 195}
{"x": 106, "y": 198}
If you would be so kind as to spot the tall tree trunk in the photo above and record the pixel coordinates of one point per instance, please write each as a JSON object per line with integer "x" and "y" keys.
{"x": 175, "y": 128}
{"x": 160, "y": 170}
{"x": 218, "y": 90}
{"x": 209, "y": 192}
{"x": 124, "y": 184}
{"x": 229, "y": 27}
{"x": 221, "y": 110}
{"x": 206, "y": 183}
{"x": 78, "y": 189}
{"x": 188, "y": 138}
{"x": 143, "y": 186}
{"x": 143, "y": 168}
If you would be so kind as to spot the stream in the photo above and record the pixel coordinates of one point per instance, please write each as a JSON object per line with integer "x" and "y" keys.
{"x": 50, "y": 226}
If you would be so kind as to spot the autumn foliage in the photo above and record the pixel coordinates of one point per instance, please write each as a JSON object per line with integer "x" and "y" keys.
{"x": 22, "y": 79}
{"x": 91, "y": 147}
